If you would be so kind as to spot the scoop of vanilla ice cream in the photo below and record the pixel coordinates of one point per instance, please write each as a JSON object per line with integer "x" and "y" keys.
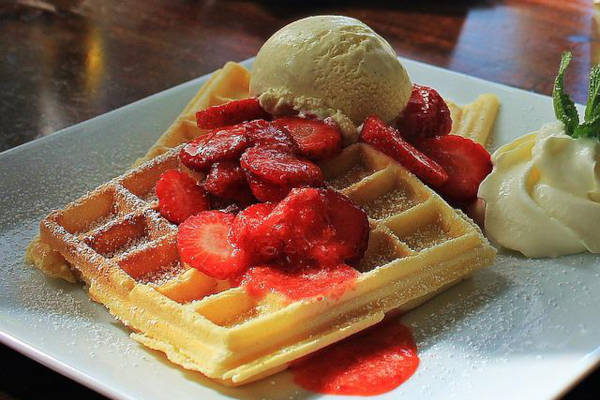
{"x": 330, "y": 66}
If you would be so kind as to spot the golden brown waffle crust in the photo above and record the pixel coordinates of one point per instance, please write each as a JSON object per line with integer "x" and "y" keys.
{"x": 228, "y": 83}
{"x": 418, "y": 246}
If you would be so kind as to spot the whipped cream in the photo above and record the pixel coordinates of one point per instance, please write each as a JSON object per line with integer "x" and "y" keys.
{"x": 543, "y": 195}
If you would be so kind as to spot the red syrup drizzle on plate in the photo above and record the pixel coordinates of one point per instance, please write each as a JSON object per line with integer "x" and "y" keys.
{"x": 300, "y": 282}
{"x": 366, "y": 364}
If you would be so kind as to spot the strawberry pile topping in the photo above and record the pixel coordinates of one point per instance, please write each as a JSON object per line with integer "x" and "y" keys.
{"x": 299, "y": 228}
{"x": 454, "y": 166}
{"x": 280, "y": 228}
{"x": 258, "y": 159}
{"x": 310, "y": 225}
{"x": 309, "y": 230}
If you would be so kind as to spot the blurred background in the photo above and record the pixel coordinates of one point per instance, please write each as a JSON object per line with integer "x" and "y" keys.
{"x": 62, "y": 62}
{"x": 65, "y": 61}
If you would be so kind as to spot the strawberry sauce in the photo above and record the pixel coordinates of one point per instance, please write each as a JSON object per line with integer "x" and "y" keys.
{"x": 299, "y": 283}
{"x": 366, "y": 364}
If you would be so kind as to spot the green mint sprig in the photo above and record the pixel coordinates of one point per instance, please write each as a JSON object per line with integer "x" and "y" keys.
{"x": 564, "y": 107}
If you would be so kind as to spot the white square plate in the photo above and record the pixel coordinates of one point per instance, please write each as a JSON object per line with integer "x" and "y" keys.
{"x": 520, "y": 329}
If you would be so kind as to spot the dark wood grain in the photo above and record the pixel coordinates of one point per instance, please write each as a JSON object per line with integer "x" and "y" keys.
{"x": 62, "y": 62}
{"x": 68, "y": 61}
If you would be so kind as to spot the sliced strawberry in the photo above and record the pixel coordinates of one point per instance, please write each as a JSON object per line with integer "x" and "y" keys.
{"x": 318, "y": 225}
{"x": 265, "y": 191}
{"x": 425, "y": 115}
{"x": 316, "y": 139}
{"x": 247, "y": 232}
{"x": 298, "y": 221}
{"x": 227, "y": 180}
{"x": 230, "y": 113}
{"x": 299, "y": 282}
{"x": 190, "y": 153}
{"x": 203, "y": 243}
{"x": 351, "y": 227}
{"x": 466, "y": 162}
{"x": 179, "y": 196}
{"x": 264, "y": 133}
{"x": 222, "y": 144}
{"x": 388, "y": 140}
{"x": 274, "y": 166}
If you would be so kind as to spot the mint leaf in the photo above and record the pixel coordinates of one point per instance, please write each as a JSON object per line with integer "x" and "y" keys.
{"x": 592, "y": 107}
{"x": 589, "y": 129}
{"x": 564, "y": 107}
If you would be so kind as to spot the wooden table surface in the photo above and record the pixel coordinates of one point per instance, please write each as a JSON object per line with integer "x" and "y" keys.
{"x": 62, "y": 62}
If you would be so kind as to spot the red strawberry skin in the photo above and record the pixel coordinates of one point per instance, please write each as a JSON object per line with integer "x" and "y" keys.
{"x": 280, "y": 168}
{"x": 230, "y": 113}
{"x": 425, "y": 115}
{"x": 227, "y": 180}
{"x": 221, "y": 144}
{"x": 351, "y": 224}
{"x": 316, "y": 140}
{"x": 466, "y": 162}
{"x": 265, "y": 133}
{"x": 263, "y": 245}
{"x": 203, "y": 243}
{"x": 179, "y": 196}
{"x": 389, "y": 141}
{"x": 299, "y": 221}
{"x": 316, "y": 225}
{"x": 265, "y": 191}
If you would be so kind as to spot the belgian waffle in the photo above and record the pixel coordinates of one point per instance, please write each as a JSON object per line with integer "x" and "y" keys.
{"x": 228, "y": 83}
{"x": 126, "y": 252}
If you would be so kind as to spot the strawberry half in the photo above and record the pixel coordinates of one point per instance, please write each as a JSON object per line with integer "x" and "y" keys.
{"x": 248, "y": 233}
{"x": 265, "y": 133}
{"x": 274, "y": 166}
{"x": 230, "y": 113}
{"x": 315, "y": 139}
{"x": 389, "y": 141}
{"x": 425, "y": 115}
{"x": 265, "y": 191}
{"x": 317, "y": 225}
{"x": 227, "y": 180}
{"x": 466, "y": 162}
{"x": 179, "y": 196}
{"x": 203, "y": 243}
{"x": 221, "y": 144}
{"x": 351, "y": 226}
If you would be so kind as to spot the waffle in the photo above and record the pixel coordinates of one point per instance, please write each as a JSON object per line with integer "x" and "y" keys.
{"x": 126, "y": 252}
{"x": 228, "y": 83}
